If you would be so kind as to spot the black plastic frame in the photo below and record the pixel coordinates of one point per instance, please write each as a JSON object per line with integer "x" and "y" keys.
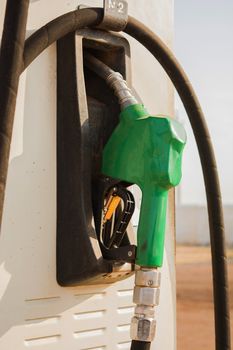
{"x": 87, "y": 113}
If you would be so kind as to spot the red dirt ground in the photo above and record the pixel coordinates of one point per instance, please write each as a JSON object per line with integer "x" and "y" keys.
{"x": 195, "y": 318}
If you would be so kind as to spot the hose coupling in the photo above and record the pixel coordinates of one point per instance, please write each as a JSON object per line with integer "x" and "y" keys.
{"x": 146, "y": 297}
{"x": 121, "y": 90}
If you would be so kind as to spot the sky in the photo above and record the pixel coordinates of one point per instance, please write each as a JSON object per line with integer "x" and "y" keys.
{"x": 203, "y": 44}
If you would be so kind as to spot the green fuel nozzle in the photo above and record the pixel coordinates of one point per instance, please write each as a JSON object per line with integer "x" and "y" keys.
{"x": 144, "y": 150}
{"x": 147, "y": 150}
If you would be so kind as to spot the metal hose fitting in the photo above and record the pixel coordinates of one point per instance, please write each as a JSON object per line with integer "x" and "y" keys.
{"x": 146, "y": 296}
{"x": 121, "y": 90}
{"x": 114, "y": 79}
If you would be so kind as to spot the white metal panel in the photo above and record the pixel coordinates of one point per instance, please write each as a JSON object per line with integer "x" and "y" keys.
{"x": 36, "y": 313}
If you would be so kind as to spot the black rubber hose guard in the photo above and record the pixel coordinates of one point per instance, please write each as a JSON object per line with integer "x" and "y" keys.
{"x": 11, "y": 57}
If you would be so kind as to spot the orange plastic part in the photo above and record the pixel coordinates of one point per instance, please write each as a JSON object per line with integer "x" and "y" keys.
{"x": 114, "y": 202}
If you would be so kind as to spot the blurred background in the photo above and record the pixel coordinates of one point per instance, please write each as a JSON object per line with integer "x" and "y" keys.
{"x": 203, "y": 44}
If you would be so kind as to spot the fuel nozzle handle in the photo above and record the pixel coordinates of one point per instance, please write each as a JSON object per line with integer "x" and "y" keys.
{"x": 147, "y": 150}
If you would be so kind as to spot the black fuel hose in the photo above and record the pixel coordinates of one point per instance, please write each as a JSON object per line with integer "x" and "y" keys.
{"x": 11, "y": 58}
{"x": 69, "y": 22}
{"x": 97, "y": 66}
{"x": 140, "y": 345}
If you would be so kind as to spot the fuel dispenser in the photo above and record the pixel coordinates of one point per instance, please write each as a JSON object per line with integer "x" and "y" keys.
{"x": 107, "y": 141}
{"x": 133, "y": 148}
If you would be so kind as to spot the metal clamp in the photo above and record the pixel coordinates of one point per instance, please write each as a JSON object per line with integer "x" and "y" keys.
{"x": 115, "y": 15}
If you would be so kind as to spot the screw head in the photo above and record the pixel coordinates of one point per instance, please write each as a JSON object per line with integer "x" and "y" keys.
{"x": 130, "y": 253}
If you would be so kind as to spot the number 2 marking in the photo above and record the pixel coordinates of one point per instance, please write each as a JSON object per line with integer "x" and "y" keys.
{"x": 120, "y": 7}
